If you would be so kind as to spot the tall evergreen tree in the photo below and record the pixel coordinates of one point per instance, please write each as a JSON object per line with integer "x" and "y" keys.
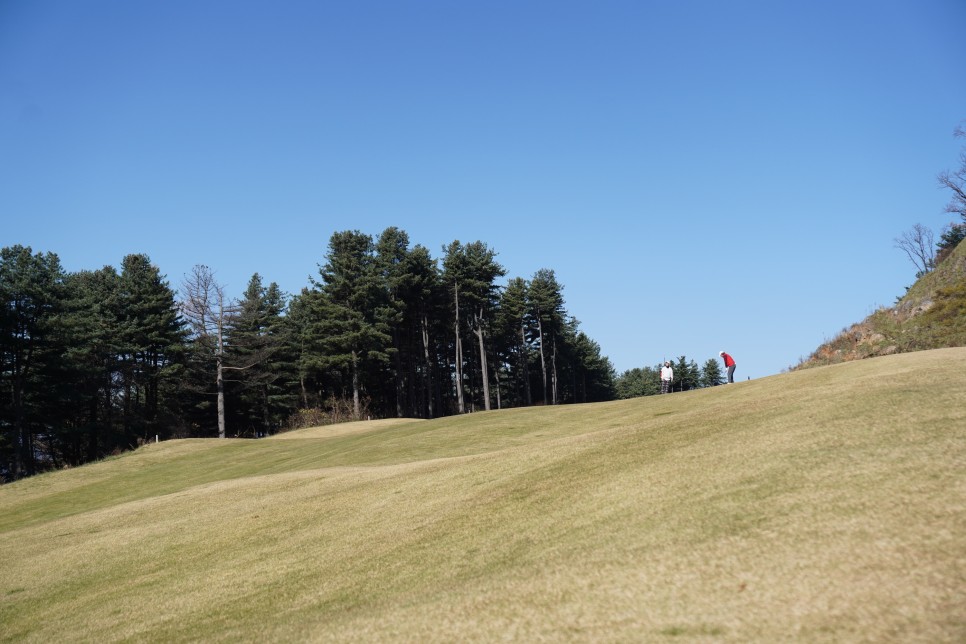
{"x": 590, "y": 376}
{"x": 546, "y": 305}
{"x": 392, "y": 266}
{"x": 454, "y": 271}
{"x": 151, "y": 340}
{"x": 355, "y": 337}
{"x": 481, "y": 297}
{"x": 427, "y": 309}
{"x": 711, "y": 374}
{"x": 257, "y": 354}
{"x": 638, "y": 382}
{"x": 687, "y": 376}
{"x": 513, "y": 329}
{"x": 31, "y": 289}
{"x": 471, "y": 272}
{"x": 279, "y": 369}
{"x": 305, "y": 332}
{"x": 93, "y": 361}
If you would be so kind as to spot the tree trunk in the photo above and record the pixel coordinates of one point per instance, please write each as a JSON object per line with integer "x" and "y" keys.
{"x": 356, "y": 407}
{"x": 92, "y": 446}
{"x": 478, "y": 330}
{"x": 524, "y": 364}
{"x": 553, "y": 366}
{"x": 460, "y": 403}
{"x": 543, "y": 364}
{"x": 461, "y": 406}
{"x": 429, "y": 366}
{"x": 397, "y": 365}
{"x": 496, "y": 375}
{"x": 23, "y": 464}
{"x": 220, "y": 380}
{"x": 266, "y": 414}
{"x": 219, "y": 360}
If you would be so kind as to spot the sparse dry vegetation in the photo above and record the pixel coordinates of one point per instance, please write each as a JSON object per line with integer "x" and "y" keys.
{"x": 931, "y": 315}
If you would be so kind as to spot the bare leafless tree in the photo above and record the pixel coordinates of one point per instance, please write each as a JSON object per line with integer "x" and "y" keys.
{"x": 956, "y": 181}
{"x": 209, "y": 315}
{"x": 919, "y": 247}
{"x": 954, "y": 233}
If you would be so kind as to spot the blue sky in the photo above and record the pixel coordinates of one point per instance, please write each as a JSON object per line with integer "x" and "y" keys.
{"x": 700, "y": 175}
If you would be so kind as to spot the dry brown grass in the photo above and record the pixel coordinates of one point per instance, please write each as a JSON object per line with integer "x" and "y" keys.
{"x": 821, "y": 505}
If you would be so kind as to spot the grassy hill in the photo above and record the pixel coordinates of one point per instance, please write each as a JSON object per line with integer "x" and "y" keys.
{"x": 931, "y": 315}
{"x": 820, "y": 505}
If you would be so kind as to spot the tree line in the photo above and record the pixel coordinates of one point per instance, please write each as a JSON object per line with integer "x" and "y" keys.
{"x": 98, "y": 361}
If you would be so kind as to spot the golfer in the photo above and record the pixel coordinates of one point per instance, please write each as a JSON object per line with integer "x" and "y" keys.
{"x": 729, "y": 365}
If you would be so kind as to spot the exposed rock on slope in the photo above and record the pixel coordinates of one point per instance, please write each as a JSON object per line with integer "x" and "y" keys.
{"x": 931, "y": 315}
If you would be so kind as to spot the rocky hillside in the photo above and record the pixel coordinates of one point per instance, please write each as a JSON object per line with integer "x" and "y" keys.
{"x": 931, "y": 315}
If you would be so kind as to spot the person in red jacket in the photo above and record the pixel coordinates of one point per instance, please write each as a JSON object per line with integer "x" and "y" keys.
{"x": 729, "y": 365}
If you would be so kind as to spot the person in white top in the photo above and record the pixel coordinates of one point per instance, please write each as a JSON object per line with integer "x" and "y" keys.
{"x": 667, "y": 375}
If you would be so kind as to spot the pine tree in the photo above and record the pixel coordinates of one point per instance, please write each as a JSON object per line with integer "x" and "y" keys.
{"x": 454, "y": 271}
{"x": 426, "y": 304}
{"x": 31, "y": 289}
{"x": 279, "y": 370}
{"x": 304, "y": 335}
{"x": 546, "y": 306}
{"x": 92, "y": 362}
{"x": 151, "y": 342}
{"x": 258, "y": 358}
{"x": 481, "y": 297}
{"x": 711, "y": 374}
{"x": 589, "y": 375}
{"x": 392, "y": 266}
{"x": 355, "y": 339}
{"x": 513, "y": 328}
{"x": 687, "y": 376}
{"x": 638, "y": 382}
{"x": 471, "y": 272}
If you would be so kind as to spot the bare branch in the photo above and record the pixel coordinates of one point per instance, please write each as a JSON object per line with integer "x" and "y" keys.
{"x": 227, "y": 368}
{"x": 918, "y": 246}
{"x": 956, "y": 181}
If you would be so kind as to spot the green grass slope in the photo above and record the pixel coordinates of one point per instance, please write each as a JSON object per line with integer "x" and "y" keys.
{"x": 820, "y": 505}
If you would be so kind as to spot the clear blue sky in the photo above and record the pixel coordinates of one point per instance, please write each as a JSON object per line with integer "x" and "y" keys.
{"x": 701, "y": 175}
